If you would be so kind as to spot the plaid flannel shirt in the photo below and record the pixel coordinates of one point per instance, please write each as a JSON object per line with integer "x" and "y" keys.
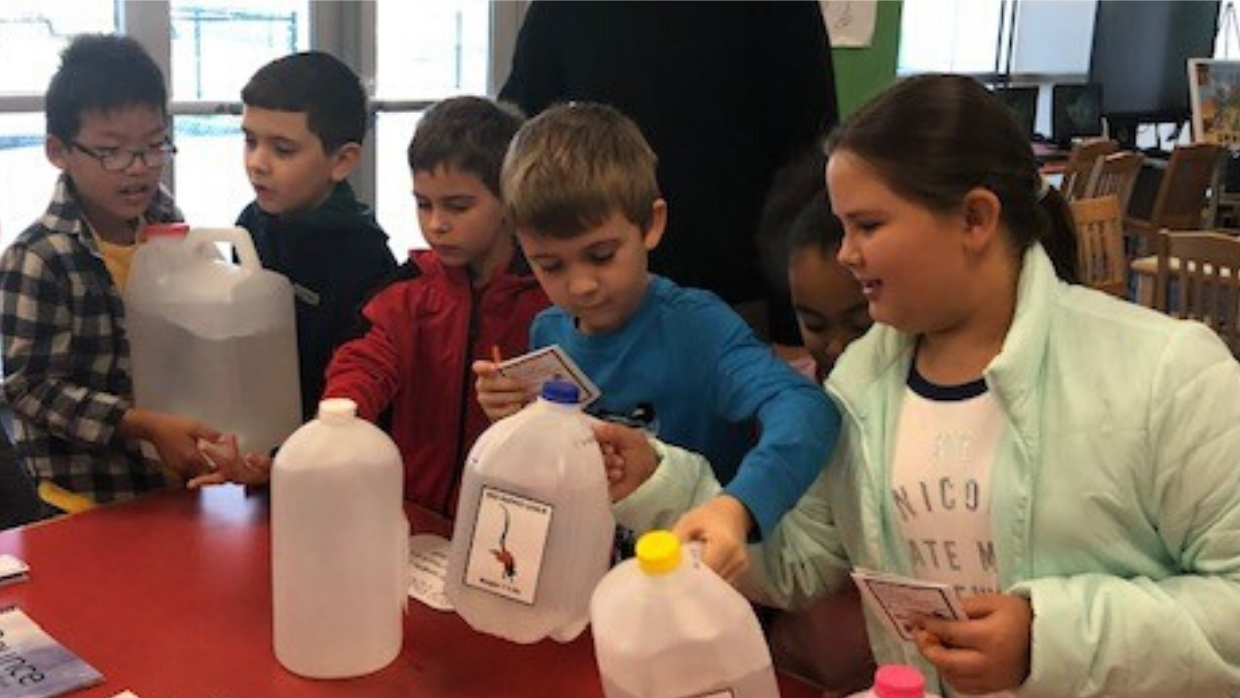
{"x": 66, "y": 357}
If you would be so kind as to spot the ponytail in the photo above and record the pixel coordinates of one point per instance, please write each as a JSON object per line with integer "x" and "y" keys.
{"x": 1059, "y": 235}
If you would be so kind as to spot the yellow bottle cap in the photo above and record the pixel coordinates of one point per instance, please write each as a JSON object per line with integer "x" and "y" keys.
{"x": 658, "y": 552}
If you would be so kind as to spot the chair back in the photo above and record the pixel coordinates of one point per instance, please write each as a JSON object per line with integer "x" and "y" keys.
{"x": 1100, "y": 244}
{"x": 1199, "y": 279}
{"x": 1181, "y": 197}
{"x": 1115, "y": 174}
{"x": 1180, "y": 203}
{"x": 1080, "y": 165}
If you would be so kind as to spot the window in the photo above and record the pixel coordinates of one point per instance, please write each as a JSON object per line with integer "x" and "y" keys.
{"x": 32, "y": 34}
{"x": 216, "y": 46}
{"x": 1026, "y": 42}
{"x": 951, "y": 36}
{"x": 424, "y": 52}
{"x": 408, "y": 54}
{"x": 26, "y": 177}
{"x": 986, "y": 37}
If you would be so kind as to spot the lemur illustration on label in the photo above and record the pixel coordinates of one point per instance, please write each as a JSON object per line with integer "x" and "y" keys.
{"x": 503, "y": 555}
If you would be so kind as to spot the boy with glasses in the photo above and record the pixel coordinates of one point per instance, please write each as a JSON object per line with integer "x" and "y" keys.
{"x": 62, "y": 321}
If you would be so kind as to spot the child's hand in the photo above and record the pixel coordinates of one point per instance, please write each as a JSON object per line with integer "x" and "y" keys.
{"x": 722, "y": 525}
{"x": 628, "y": 457}
{"x": 174, "y": 438}
{"x": 989, "y": 652}
{"x": 499, "y": 395}
{"x": 229, "y": 465}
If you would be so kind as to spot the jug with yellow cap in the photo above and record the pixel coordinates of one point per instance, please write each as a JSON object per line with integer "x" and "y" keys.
{"x": 667, "y": 627}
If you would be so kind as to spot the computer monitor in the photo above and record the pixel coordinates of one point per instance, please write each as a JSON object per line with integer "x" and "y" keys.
{"x": 1022, "y": 102}
{"x": 1076, "y": 112}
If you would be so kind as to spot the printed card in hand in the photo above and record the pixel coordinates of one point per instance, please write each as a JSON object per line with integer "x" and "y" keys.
{"x": 34, "y": 664}
{"x": 899, "y": 600}
{"x": 550, "y": 363}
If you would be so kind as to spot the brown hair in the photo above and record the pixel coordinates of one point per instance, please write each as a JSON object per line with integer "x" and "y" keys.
{"x": 467, "y": 134}
{"x": 319, "y": 84}
{"x": 933, "y": 138}
{"x": 571, "y": 167}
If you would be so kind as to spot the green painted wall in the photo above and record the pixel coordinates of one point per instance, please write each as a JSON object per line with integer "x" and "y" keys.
{"x": 861, "y": 73}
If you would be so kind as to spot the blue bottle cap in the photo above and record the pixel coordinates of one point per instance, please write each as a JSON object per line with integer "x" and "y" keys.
{"x": 559, "y": 391}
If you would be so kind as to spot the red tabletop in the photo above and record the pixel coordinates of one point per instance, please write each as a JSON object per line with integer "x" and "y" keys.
{"x": 170, "y": 596}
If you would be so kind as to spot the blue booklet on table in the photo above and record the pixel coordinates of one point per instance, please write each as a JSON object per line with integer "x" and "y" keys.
{"x": 33, "y": 664}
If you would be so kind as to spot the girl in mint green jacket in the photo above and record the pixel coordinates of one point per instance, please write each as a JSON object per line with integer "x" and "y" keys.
{"x": 1068, "y": 461}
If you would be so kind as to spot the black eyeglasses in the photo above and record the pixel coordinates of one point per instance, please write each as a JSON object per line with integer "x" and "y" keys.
{"x": 118, "y": 160}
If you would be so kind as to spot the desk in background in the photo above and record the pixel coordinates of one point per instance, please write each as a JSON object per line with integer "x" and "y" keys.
{"x": 1052, "y": 160}
{"x": 170, "y": 596}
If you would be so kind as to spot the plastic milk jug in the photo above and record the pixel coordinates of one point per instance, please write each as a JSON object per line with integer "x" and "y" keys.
{"x": 339, "y": 546}
{"x": 896, "y": 681}
{"x": 534, "y": 528}
{"x": 213, "y": 340}
{"x": 667, "y": 627}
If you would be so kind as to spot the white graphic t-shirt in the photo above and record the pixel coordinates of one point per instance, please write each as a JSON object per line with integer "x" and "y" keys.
{"x": 946, "y": 442}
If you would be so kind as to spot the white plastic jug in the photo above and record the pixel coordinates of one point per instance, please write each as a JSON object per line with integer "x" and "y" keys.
{"x": 339, "y": 546}
{"x": 214, "y": 340}
{"x": 665, "y": 627}
{"x": 896, "y": 681}
{"x": 534, "y": 527}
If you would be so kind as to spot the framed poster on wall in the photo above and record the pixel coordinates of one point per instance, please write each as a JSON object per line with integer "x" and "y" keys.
{"x": 1214, "y": 95}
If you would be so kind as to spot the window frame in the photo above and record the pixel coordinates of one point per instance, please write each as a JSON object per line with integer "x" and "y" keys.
{"x": 345, "y": 28}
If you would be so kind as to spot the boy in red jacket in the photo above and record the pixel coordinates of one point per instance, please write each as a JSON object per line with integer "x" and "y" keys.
{"x": 449, "y": 305}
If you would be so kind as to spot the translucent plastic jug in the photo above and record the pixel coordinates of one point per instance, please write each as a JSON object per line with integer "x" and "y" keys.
{"x": 213, "y": 340}
{"x": 339, "y": 546}
{"x": 666, "y": 627}
{"x": 534, "y": 527}
{"x": 896, "y": 681}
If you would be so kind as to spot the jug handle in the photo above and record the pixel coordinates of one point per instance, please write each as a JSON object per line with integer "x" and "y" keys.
{"x": 198, "y": 239}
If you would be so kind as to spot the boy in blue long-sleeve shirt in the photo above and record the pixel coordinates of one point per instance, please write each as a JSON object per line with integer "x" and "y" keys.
{"x": 579, "y": 184}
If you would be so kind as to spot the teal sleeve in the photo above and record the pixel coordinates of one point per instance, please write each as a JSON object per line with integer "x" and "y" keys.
{"x": 803, "y": 557}
{"x": 682, "y": 481}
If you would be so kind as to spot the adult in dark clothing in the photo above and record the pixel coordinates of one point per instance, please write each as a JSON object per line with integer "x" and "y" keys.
{"x": 725, "y": 92}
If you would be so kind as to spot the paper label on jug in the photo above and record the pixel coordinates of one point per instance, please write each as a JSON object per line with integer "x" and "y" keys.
{"x": 509, "y": 541}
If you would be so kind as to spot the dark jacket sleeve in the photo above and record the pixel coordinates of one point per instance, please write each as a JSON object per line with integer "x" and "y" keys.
{"x": 535, "y": 80}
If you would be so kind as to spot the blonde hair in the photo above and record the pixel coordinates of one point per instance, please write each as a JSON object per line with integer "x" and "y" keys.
{"x": 571, "y": 167}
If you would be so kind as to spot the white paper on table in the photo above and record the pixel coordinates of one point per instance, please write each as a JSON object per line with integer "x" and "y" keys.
{"x": 13, "y": 569}
{"x": 428, "y": 567}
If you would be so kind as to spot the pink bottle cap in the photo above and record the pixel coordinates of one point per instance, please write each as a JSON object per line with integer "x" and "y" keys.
{"x": 899, "y": 681}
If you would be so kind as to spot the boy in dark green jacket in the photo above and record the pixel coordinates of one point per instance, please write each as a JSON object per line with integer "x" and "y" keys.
{"x": 304, "y": 123}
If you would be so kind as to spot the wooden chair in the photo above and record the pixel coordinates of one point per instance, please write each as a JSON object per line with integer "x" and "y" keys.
{"x": 1180, "y": 204}
{"x": 1199, "y": 279}
{"x": 1115, "y": 174}
{"x": 1100, "y": 244}
{"x": 1080, "y": 165}
{"x": 1182, "y": 195}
